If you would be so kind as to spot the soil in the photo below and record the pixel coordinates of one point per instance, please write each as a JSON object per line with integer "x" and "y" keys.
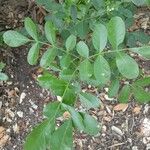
{"x": 124, "y": 127}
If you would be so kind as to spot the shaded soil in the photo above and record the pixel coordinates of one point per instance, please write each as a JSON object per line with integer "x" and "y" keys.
{"x": 22, "y": 100}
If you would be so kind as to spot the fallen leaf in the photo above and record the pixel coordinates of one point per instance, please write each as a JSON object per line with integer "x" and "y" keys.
{"x": 137, "y": 110}
{"x": 66, "y": 115}
{"x": 121, "y": 107}
{"x": 3, "y": 137}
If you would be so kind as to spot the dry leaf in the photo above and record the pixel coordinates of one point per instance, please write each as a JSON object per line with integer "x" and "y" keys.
{"x": 3, "y": 137}
{"x": 121, "y": 107}
{"x": 137, "y": 110}
{"x": 66, "y": 115}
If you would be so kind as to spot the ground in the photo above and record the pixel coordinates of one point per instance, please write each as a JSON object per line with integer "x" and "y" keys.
{"x": 124, "y": 126}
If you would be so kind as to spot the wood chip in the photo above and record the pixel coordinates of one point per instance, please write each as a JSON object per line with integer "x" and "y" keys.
{"x": 137, "y": 110}
{"x": 3, "y": 137}
{"x": 121, "y": 107}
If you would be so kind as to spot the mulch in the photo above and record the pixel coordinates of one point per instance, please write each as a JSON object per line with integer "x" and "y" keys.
{"x": 123, "y": 126}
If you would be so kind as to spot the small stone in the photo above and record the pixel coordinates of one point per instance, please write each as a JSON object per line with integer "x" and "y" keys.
{"x": 59, "y": 98}
{"x": 22, "y": 96}
{"x": 1, "y": 104}
{"x": 16, "y": 128}
{"x": 134, "y": 148}
{"x": 20, "y": 114}
{"x": 117, "y": 130}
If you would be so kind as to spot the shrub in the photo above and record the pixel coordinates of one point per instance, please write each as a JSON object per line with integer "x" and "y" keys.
{"x": 84, "y": 54}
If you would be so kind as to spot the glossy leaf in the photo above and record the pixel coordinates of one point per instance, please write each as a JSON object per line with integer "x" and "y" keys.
{"x": 33, "y": 54}
{"x": 14, "y": 39}
{"x": 127, "y": 66}
{"x": 69, "y": 96}
{"x": 102, "y": 70}
{"x": 124, "y": 94}
{"x": 3, "y": 76}
{"x": 89, "y": 100}
{"x": 62, "y": 137}
{"x": 50, "y": 82}
{"x": 116, "y": 31}
{"x": 143, "y": 51}
{"x": 140, "y": 94}
{"x": 83, "y": 49}
{"x": 143, "y": 82}
{"x": 48, "y": 57}
{"x": 92, "y": 127}
{"x": 71, "y": 42}
{"x": 50, "y": 32}
{"x": 51, "y": 109}
{"x": 113, "y": 89}
{"x": 85, "y": 70}
{"x": 36, "y": 140}
{"x": 31, "y": 28}
{"x": 99, "y": 37}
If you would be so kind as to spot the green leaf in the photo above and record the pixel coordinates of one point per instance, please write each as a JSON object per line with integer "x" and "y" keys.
{"x": 62, "y": 139}
{"x": 92, "y": 127}
{"x": 98, "y": 4}
{"x": 48, "y": 57}
{"x": 51, "y": 109}
{"x": 3, "y": 76}
{"x": 76, "y": 117}
{"x": 82, "y": 29}
{"x": 113, "y": 89}
{"x": 140, "y": 94}
{"x": 50, "y": 32}
{"x": 139, "y": 2}
{"x": 36, "y": 140}
{"x": 83, "y": 49}
{"x": 2, "y": 65}
{"x": 33, "y": 54}
{"x": 143, "y": 82}
{"x": 127, "y": 66}
{"x": 66, "y": 74}
{"x": 102, "y": 70}
{"x": 71, "y": 42}
{"x": 116, "y": 31}
{"x": 89, "y": 100}
{"x": 124, "y": 94}
{"x": 99, "y": 37}
{"x": 85, "y": 70}
{"x": 31, "y": 28}
{"x": 14, "y": 39}
{"x": 73, "y": 12}
{"x": 65, "y": 61}
{"x": 69, "y": 96}
{"x": 143, "y": 51}
{"x": 50, "y": 82}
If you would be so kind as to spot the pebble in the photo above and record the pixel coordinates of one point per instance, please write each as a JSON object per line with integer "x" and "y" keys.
{"x": 1, "y": 104}
{"x": 117, "y": 130}
{"x": 134, "y": 148}
{"x": 22, "y": 96}
{"x": 34, "y": 106}
{"x": 20, "y": 114}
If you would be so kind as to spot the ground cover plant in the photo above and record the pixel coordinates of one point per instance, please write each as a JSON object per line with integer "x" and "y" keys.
{"x": 89, "y": 52}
